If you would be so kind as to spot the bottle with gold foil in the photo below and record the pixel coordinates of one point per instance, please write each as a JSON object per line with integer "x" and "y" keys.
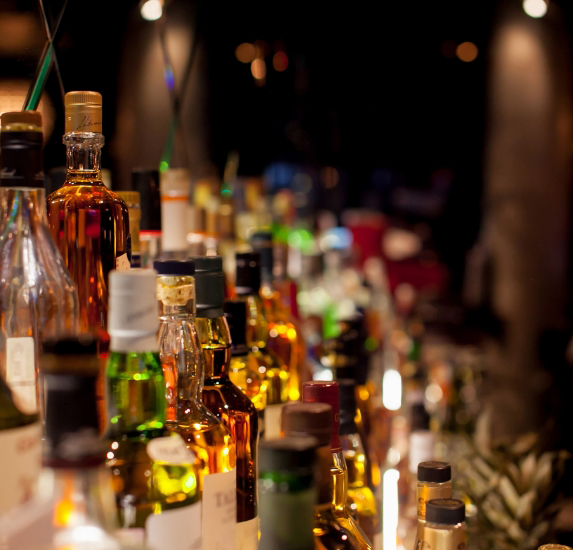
{"x": 328, "y": 392}
{"x": 204, "y": 434}
{"x": 88, "y": 222}
{"x": 225, "y": 400}
{"x": 133, "y": 199}
{"x": 445, "y": 527}
{"x": 38, "y": 298}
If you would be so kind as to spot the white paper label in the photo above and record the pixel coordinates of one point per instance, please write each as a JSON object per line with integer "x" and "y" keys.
{"x": 273, "y": 421}
{"x": 170, "y": 449}
{"x": 178, "y": 529}
{"x": 174, "y": 221}
{"x": 21, "y": 373}
{"x": 220, "y": 511}
{"x": 248, "y": 534}
{"x": 122, "y": 263}
{"x": 21, "y": 460}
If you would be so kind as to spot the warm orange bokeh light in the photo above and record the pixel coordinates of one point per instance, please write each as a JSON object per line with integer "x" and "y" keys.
{"x": 259, "y": 69}
{"x": 467, "y": 51}
{"x": 280, "y": 61}
{"x": 245, "y": 52}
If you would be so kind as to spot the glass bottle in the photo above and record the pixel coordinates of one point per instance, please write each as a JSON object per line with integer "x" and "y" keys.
{"x": 204, "y": 434}
{"x": 88, "y": 222}
{"x": 132, "y": 200}
{"x": 175, "y": 190}
{"x": 38, "y": 299}
{"x": 146, "y": 183}
{"x": 156, "y": 477}
{"x": 445, "y": 527}
{"x": 320, "y": 391}
{"x": 223, "y": 398}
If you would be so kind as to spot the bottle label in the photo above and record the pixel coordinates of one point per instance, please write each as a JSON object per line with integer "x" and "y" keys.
{"x": 22, "y": 460}
{"x": 122, "y": 263}
{"x": 377, "y": 541}
{"x": 273, "y": 421}
{"x": 21, "y": 373}
{"x": 248, "y": 534}
{"x": 174, "y": 216}
{"x": 170, "y": 449}
{"x": 219, "y": 510}
{"x": 177, "y": 529}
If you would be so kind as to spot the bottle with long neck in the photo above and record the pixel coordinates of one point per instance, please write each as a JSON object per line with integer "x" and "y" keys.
{"x": 88, "y": 222}
{"x": 156, "y": 476}
{"x": 146, "y": 183}
{"x": 445, "y": 527}
{"x": 203, "y": 433}
{"x": 38, "y": 299}
{"x": 223, "y": 398}
{"x": 328, "y": 392}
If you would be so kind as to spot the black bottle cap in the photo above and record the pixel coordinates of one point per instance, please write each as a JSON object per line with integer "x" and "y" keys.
{"x": 434, "y": 471}
{"x": 262, "y": 242}
{"x": 448, "y": 511}
{"x": 174, "y": 267}
{"x": 209, "y": 286}
{"x": 288, "y": 453}
{"x": 248, "y": 274}
{"x": 236, "y": 315}
{"x": 347, "y": 406}
{"x": 146, "y": 182}
{"x": 308, "y": 420}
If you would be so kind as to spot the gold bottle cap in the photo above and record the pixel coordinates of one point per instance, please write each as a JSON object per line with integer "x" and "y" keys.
{"x": 21, "y": 121}
{"x": 83, "y": 112}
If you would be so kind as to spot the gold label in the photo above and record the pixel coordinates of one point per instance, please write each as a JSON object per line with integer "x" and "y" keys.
{"x": 432, "y": 538}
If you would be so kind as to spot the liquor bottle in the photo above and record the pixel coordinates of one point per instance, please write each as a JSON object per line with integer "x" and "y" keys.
{"x": 88, "y": 222}
{"x": 319, "y": 391}
{"x": 288, "y": 493}
{"x": 132, "y": 200}
{"x": 362, "y": 501}
{"x": 38, "y": 298}
{"x": 203, "y": 433}
{"x": 175, "y": 189}
{"x": 223, "y": 398}
{"x": 445, "y": 527}
{"x": 156, "y": 477}
{"x": 315, "y": 420}
{"x": 146, "y": 183}
{"x": 247, "y": 289}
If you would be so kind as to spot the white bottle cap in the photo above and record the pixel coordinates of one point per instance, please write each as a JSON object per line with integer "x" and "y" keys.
{"x": 175, "y": 191}
{"x": 133, "y": 320}
{"x": 422, "y": 448}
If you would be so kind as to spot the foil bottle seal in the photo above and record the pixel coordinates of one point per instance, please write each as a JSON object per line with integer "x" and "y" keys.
{"x": 319, "y": 391}
{"x": 83, "y": 112}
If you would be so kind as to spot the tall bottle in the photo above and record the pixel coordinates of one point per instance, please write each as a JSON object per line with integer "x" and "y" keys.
{"x": 146, "y": 183}
{"x": 175, "y": 190}
{"x": 223, "y": 398}
{"x": 132, "y": 200}
{"x": 445, "y": 527}
{"x": 38, "y": 299}
{"x": 156, "y": 477}
{"x": 328, "y": 392}
{"x": 203, "y": 433}
{"x": 88, "y": 222}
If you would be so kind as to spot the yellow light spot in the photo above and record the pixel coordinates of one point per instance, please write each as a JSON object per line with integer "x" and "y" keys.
{"x": 63, "y": 512}
{"x": 137, "y": 376}
{"x": 245, "y": 52}
{"x": 467, "y": 51}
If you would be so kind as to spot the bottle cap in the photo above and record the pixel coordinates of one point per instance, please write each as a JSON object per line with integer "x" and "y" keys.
{"x": 321, "y": 391}
{"x": 448, "y": 511}
{"x": 236, "y": 315}
{"x": 347, "y": 406}
{"x": 83, "y": 112}
{"x": 288, "y": 453}
{"x": 248, "y": 274}
{"x": 146, "y": 182}
{"x": 209, "y": 286}
{"x": 262, "y": 242}
{"x": 174, "y": 267}
{"x": 308, "y": 419}
{"x": 23, "y": 121}
{"x": 422, "y": 448}
{"x": 434, "y": 471}
{"x": 554, "y": 547}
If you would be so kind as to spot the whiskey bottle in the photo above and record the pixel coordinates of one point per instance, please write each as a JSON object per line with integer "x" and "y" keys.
{"x": 156, "y": 477}
{"x": 223, "y": 398}
{"x": 146, "y": 183}
{"x": 88, "y": 222}
{"x": 38, "y": 299}
{"x": 445, "y": 527}
{"x": 203, "y": 433}
{"x": 132, "y": 200}
{"x": 328, "y": 392}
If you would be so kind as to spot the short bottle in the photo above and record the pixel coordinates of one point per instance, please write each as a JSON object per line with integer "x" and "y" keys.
{"x": 156, "y": 477}
{"x": 445, "y": 527}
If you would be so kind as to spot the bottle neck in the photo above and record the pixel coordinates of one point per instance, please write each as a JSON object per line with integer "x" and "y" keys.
{"x": 83, "y": 156}
{"x": 23, "y": 206}
{"x": 257, "y": 323}
{"x": 340, "y": 481}
{"x": 215, "y": 341}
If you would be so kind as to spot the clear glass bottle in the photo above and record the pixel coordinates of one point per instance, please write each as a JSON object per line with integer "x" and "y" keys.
{"x": 88, "y": 222}
{"x": 38, "y": 299}
{"x": 146, "y": 183}
{"x": 204, "y": 434}
{"x": 223, "y": 398}
{"x": 445, "y": 527}
{"x": 156, "y": 477}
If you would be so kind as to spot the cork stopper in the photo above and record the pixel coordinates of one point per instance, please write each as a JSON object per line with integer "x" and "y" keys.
{"x": 83, "y": 112}
{"x": 21, "y": 121}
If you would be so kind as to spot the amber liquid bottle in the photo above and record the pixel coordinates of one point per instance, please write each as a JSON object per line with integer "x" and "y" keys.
{"x": 225, "y": 400}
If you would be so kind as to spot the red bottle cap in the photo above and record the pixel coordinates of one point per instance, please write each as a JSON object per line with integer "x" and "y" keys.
{"x": 320, "y": 391}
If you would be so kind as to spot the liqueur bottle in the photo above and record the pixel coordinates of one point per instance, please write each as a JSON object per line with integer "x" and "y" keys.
{"x": 203, "y": 433}
{"x": 38, "y": 299}
{"x": 156, "y": 477}
{"x": 445, "y": 527}
{"x": 175, "y": 190}
{"x": 288, "y": 493}
{"x": 223, "y": 398}
{"x": 146, "y": 183}
{"x": 88, "y": 222}
{"x": 328, "y": 392}
{"x": 132, "y": 200}
{"x": 315, "y": 420}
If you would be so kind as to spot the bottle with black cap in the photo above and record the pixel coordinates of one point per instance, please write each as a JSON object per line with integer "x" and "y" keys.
{"x": 225, "y": 400}
{"x": 445, "y": 527}
{"x": 288, "y": 493}
{"x": 146, "y": 183}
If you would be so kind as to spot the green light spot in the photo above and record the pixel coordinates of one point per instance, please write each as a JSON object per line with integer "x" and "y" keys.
{"x": 371, "y": 343}
{"x": 137, "y": 376}
{"x": 163, "y": 165}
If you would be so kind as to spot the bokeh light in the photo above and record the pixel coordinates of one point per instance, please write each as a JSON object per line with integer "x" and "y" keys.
{"x": 535, "y": 8}
{"x": 245, "y": 52}
{"x": 259, "y": 69}
{"x": 280, "y": 61}
{"x": 467, "y": 51}
{"x": 151, "y": 10}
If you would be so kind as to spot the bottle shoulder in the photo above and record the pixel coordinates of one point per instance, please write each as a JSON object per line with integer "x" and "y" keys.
{"x": 228, "y": 394}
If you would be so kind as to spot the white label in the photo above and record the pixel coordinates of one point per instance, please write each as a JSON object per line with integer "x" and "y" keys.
{"x": 178, "y": 529}
{"x": 21, "y": 373}
{"x": 170, "y": 449}
{"x": 174, "y": 222}
{"x": 21, "y": 459}
{"x": 220, "y": 511}
{"x": 273, "y": 421}
{"x": 248, "y": 534}
{"x": 122, "y": 263}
